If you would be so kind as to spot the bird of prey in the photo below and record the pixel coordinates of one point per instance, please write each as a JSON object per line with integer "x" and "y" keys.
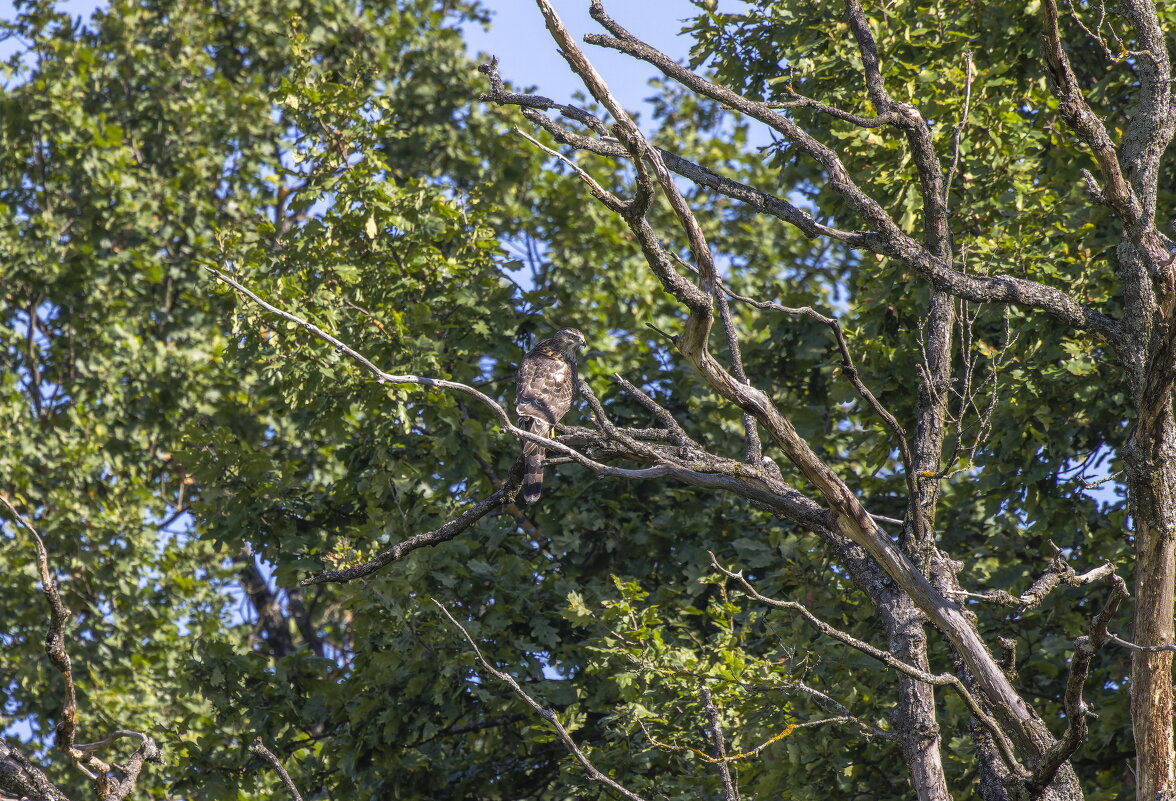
{"x": 546, "y": 388}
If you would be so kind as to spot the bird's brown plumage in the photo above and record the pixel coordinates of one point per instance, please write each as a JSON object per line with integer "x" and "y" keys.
{"x": 546, "y": 388}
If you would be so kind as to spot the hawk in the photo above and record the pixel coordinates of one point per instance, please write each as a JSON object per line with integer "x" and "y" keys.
{"x": 546, "y": 387}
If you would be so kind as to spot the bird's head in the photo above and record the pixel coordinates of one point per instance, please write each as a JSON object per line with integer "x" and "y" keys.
{"x": 570, "y": 340}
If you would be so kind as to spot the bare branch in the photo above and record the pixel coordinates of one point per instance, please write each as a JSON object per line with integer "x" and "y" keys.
{"x": 546, "y": 713}
{"x": 848, "y": 369}
{"x": 800, "y": 101}
{"x": 936, "y": 236}
{"x": 658, "y": 411}
{"x": 1141, "y": 648}
{"x": 751, "y": 752}
{"x": 259, "y": 748}
{"x": 111, "y": 789}
{"x": 55, "y": 636}
{"x": 498, "y": 94}
{"x": 600, "y": 193}
{"x": 753, "y": 451}
{"x": 958, "y": 131}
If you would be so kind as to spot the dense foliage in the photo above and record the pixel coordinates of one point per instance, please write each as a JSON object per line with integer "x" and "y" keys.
{"x": 188, "y": 457}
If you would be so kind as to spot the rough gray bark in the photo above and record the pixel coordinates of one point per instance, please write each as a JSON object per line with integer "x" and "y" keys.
{"x": 21, "y": 778}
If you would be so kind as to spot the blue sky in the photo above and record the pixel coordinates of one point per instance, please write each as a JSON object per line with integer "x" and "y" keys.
{"x": 528, "y": 57}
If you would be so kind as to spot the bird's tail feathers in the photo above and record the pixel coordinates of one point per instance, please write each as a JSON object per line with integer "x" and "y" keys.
{"x": 533, "y": 455}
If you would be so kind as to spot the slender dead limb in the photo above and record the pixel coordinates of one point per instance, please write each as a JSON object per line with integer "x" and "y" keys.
{"x": 110, "y": 789}
{"x": 546, "y": 713}
{"x": 1117, "y": 190}
{"x": 1130, "y": 646}
{"x": 610, "y": 200}
{"x": 730, "y": 792}
{"x": 259, "y": 748}
{"x": 753, "y": 451}
{"x": 110, "y": 738}
{"x": 957, "y": 132}
{"x": 848, "y": 370}
{"x": 606, "y": 425}
{"x": 658, "y": 411}
{"x": 1058, "y": 572}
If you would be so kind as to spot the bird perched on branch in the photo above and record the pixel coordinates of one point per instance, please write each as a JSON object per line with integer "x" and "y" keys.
{"x": 546, "y": 388}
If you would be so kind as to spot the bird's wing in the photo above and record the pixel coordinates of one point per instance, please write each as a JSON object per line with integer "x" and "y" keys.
{"x": 545, "y": 386}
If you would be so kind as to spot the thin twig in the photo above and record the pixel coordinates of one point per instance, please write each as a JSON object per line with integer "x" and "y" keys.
{"x": 658, "y": 411}
{"x": 959, "y": 128}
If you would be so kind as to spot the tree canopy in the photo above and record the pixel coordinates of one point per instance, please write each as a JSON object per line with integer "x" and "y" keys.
{"x": 872, "y": 469}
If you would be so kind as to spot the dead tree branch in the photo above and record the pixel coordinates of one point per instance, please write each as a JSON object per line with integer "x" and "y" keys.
{"x": 1058, "y": 572}
{"x": 730, "y": 792}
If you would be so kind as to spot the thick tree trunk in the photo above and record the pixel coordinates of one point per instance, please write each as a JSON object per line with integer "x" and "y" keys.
{"x": 914, "y": 714}
{"x": 1150, "y": 461}
{"x": 921, "y": 739}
